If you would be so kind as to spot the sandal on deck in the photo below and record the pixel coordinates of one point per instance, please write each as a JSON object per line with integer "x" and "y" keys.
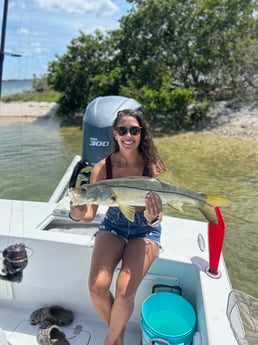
{"x": 49, "y": 334}
{"x": 54, "y": 314}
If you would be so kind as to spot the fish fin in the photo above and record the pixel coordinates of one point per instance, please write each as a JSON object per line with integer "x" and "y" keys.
{"x": 209, "y": 213}
{"x": 128, "y": 211}
{"x": 208, "y": 208}
{"x": 214, "y": 200}
{"x": 177, "y": 206}
{"x": 166, "y": 177}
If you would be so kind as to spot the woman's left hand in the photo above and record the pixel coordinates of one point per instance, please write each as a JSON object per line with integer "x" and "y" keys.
{"x": 153, "y": 206}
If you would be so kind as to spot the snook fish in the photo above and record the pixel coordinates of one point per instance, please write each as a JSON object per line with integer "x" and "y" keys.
{"x": 125, "y": 193}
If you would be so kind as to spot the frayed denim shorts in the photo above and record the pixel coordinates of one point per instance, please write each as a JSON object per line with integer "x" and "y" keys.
{"x": 116, "y": 223}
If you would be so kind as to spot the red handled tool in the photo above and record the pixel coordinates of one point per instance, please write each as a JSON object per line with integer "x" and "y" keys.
{"x": 215, "y": 241}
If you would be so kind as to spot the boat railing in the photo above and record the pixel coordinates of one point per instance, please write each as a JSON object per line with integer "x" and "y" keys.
{"x": 63, "y": 185}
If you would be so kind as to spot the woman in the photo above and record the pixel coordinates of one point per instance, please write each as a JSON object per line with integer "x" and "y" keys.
{"x": 136, "y": 243}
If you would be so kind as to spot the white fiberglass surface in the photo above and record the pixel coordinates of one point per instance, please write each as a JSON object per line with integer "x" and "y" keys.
{"x": 83, "y": 331}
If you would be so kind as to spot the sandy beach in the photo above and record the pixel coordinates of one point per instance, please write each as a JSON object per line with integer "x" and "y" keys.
{"x": 26, "y": 111}
{"x": 226, "y": 118}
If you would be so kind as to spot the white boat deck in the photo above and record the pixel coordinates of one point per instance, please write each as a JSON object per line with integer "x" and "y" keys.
{"x": 59, "y": 253}
{"x": 83, "y": 331}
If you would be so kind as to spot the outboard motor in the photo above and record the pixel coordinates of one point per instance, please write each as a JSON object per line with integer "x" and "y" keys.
{"x": 97, "y": 125}
{"x": 97, "y": 131}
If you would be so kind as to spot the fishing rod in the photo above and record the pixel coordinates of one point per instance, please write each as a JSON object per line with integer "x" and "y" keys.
{"x": 2, "y": 52}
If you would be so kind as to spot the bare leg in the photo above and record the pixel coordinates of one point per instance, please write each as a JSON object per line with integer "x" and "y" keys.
{"x": 108, "y": 250}
{"x": 137, "y": 257}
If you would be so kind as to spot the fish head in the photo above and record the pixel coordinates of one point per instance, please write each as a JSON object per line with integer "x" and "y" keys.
{"x": 77, "y": 196}
{"x": 91, "y": 194}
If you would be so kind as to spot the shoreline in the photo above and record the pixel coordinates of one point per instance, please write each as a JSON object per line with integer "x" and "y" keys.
{"x": 233, "y": 119}
{"x": 26, "y": 111}
{"x": 225, "y": 118}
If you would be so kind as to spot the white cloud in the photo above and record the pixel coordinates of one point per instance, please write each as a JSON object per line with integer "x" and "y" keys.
{"x": 32, "y": 48}
{"x": 79, "y": 7}
{"x": 27, "y": 32}
{"x": 17, "y": 4}
{"x": 23, "y": 31}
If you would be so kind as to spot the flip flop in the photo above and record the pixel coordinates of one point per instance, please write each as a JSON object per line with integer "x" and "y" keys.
{"x": 49, "y": 334}
{"x": 54, "y": 314}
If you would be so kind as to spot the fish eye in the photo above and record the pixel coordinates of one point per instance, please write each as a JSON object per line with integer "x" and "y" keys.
{"x": 83, "y": 188}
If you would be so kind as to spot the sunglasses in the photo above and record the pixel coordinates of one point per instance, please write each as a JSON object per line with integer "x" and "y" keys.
{"x": 134, "y": 130}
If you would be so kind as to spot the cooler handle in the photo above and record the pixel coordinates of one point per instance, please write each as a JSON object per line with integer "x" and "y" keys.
{"x": 152, "y": 341}
{"x": 173, "y": 288}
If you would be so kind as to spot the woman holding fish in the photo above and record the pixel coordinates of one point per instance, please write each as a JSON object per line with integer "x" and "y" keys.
{"x": 134, "y": 243}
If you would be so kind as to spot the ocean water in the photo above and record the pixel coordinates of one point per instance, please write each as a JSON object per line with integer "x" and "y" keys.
{"x": 10, "y": 87}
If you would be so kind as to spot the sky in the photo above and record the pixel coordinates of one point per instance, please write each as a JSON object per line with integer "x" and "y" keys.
{"x": 40, "y": 29}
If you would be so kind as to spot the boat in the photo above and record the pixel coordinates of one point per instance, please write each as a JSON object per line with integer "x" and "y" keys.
{"x": 46, "y": 259}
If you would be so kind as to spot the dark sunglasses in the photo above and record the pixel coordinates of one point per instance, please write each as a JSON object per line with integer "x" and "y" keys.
{"x": 134, "y": 130}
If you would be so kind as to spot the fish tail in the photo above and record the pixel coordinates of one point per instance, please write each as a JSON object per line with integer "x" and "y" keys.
{"x": 208, "y": 207}
{"x": 209, "y": 213}
{"x": 215, "y": 200}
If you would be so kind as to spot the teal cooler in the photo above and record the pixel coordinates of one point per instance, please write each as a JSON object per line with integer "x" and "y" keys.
{"x": 167, "y": 318}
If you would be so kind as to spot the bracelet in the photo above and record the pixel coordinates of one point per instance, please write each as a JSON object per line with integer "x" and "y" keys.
{"x": 75, "y": 220}
{"x": 154, "y": 221}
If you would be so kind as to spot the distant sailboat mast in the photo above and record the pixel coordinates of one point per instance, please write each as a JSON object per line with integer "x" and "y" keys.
{"x": 2, "y": 51}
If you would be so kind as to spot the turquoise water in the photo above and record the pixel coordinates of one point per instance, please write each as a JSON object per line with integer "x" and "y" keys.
{"x": 10, "y": 87}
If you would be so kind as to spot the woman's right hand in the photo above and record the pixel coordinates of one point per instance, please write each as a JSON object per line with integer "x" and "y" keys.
{"x": 78, "y": 212}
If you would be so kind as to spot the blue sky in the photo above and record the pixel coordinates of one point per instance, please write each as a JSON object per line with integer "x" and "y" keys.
{"x": 39, "y": 29}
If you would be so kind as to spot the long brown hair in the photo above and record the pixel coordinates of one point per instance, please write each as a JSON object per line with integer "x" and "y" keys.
{"x": 146, "y": 147}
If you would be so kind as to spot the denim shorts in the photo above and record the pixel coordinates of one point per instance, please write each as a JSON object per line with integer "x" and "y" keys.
{"x": 116, "y": 223}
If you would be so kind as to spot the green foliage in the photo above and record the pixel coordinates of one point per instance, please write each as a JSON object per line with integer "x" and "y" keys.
{"x": 78, "y": 72}
{"x": 170, "y": 55}
{"x": 199, "y": 41}
{"x": 29, "y": 96}
{"x": 40, "y": 84}
{"x": 169, "y": 108}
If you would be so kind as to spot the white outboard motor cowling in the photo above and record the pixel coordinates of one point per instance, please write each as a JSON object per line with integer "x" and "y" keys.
{"x": 97, "y": 126}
